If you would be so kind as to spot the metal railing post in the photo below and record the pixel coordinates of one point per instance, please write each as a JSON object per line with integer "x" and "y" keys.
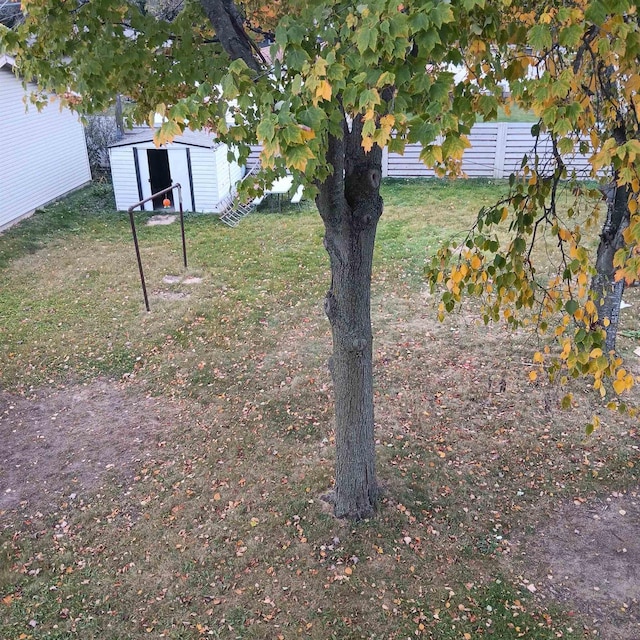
{"x": 135, "y": 235}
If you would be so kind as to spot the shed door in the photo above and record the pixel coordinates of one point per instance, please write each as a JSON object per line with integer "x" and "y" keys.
{"x": 144, "y": 178}
{"x": 159, "y": 175}
{"x": 179, "y": 163}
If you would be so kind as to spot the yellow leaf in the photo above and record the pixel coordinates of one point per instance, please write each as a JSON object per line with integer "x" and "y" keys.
{"x": 348, "y": 571}
{"x": 388, "y": 120}
{"x": 367, "y": 144}
{"x": 323, "y": 90}
{"x": 564, "y": 234}
{"x": 590, "y": 307}
{"x": 307, "y": 134}
{"x": 533, "y": 376}
{"x": 538, "y": 357}
{"x": 619, "y": 386}
{"x": 476, "y": 263}
{"x": 7, "y": 599}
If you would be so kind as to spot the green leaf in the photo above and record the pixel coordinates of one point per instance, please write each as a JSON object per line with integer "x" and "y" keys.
{"x": 422, "y": 131}
{"x": 238, "y": 66}
{"x": 441, "y": 14}
{"x": 313, "y": 117}
{"x": 363, "y": 39}
{"x": 266, "y": 130}
{"x": 298, "y": 157}
{"x": 454, "y": 146}
{"x": 570, "y": 36}
{"x": 596, "y": 12}
{"x": 369, "y": 99}
{"x": 540, "y": 37}
{"x": 571, "y": 306}
{"x": 565, "y": 145}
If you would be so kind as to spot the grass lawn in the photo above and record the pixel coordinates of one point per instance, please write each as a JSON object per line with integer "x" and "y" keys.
{"x": 161, "y": 473}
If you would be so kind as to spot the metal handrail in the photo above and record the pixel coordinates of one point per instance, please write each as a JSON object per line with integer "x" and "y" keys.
{"x": 135, "y": 235}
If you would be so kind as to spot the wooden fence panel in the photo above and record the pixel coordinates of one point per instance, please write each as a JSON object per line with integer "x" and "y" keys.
{"x": 497, "y": 150}
{"x": 479, "y": 160}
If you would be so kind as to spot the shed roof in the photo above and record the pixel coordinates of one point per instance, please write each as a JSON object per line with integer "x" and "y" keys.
{"x": 7, "y": 61}
{"x": 188, "y": 138}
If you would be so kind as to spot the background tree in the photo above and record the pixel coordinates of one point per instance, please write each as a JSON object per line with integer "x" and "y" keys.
{"x": 10, "y": 13}
{"x": 575, "y": 65}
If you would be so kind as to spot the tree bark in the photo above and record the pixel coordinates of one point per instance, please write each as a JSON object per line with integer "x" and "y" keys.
{"x": 350, "y": 205}
{"x": 228, "y": 25}
{"x": 606, "y": 292}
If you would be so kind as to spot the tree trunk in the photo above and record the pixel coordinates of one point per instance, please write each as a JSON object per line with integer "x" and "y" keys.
{"x": 350, "y": 205}
{"x": 606, "y": 292}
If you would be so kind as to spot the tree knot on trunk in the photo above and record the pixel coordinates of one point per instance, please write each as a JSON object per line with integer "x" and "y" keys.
{"x": 363, "y": 183}
{"x": 331, "y": 306}
{"x": 359, "y": 344}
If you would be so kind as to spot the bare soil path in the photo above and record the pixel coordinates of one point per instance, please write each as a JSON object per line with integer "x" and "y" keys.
{"x": 62, "y": 443}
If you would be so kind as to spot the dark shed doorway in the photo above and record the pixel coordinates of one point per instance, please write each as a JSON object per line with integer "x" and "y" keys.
{"x": 159, "y": 175}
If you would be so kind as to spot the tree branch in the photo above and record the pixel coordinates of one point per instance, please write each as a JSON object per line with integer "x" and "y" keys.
{"x": 229, "y": 27}
{"x": 330, "y": 199}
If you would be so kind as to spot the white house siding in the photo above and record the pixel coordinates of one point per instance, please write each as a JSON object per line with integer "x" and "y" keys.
{"x": 408, "y": 164}
{"x": 519, "y": 142}
{"x": 43, "y": 154}
{"x": 254, "y": 156}
{"x": 496, "y": 151}
{"x": 479, "y": 160}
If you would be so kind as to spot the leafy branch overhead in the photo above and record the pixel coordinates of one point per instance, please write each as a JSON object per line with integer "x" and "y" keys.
{"x": 576, "y": 68}
{"x": 388, "y": 64}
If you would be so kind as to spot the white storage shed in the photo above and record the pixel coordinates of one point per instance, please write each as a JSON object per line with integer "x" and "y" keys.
{"x": 195, "y": 160}
{"x": 43, "y": 154}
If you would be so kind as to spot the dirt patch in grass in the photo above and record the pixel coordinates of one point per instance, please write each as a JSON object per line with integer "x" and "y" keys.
{"x": 588, "y": 556}
{"x": 64, "y": 443}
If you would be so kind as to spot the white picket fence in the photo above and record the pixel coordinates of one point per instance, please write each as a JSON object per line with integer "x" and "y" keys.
{"x": 496, "y": 151}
